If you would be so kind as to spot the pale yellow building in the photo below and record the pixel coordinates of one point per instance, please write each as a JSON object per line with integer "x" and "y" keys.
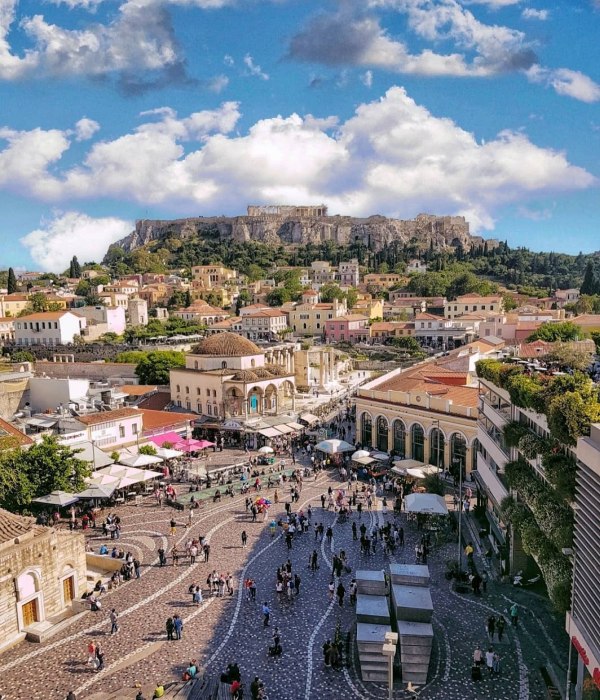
{"x": 308, "y": 317}
{"x": 210, "y": 276}
{"x": 13, "y": 304}
{"x": 473, "y": 303}
{"x": 427, "y": 413}
{"x": 43, "y": 572}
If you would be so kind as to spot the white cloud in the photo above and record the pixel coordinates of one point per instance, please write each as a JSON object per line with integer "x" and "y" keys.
{"x": 217, "y": 84}
{"x": 494, "y": 4}
{"x": 254, "y": 69}
{"x": 537, "y": 214}
{"x": 346, "y": 37}
{"x": 72, "y": 233}
{"x": 531, "y": 13}
{"x": 84, "y": 4}
{"x": 564, "y": 81}
{"x": 85, "y": 129}
{"x": 367, "y": 78}
{"x": 392, "y": 157}
{"x": 228, "y": 60}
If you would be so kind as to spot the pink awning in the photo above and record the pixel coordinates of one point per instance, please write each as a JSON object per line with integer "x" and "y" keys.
{"x": 165, "y": 437}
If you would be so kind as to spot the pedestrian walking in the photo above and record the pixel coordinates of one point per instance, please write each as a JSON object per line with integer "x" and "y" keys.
{"x": 244, "y": 538}
{"x": 340, "y": 592}
{"x": 500, "y": 625}
{"x": 170, "y": 629}
{"x": 354, "y": 532}
{"x": 491, "y": 626}
{"x": 114, "y": 626}
{"x": 266, "y": 611}
{"x": 331, "y": 589}
{"x": 162, "y": 557}
{"x": 496, "y": 664}
{"x": 489, "y": 660}
{"x": 514, "y": 615}
{"x": 477, "y": 656}
{"x": 178, "y": 624}
{"x": 99, "y": 657}
{"x": 484, "y": 581}
{"x": 173, "y": 526}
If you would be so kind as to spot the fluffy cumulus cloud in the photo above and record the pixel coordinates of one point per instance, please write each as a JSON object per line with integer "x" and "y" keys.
{"x": 71, "y": 233}
{"x": 564, "y": 81}
{"x": 391, "y": 157}
{"x": 357, "y": 38}
{"x": 532, "y": 13}
{"x": 85, "y": 129}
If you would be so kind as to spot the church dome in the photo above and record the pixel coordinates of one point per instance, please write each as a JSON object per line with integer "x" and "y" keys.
{"x": 226, "y": 345}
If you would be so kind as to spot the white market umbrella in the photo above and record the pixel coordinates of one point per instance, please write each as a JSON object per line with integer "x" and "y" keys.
{"x": 140, "y": 460}
{"x": 381, "y": 456}
{"x": 334, "y": 446}
{"x": 429, "y": 503}
{"x": 57, "y": 498}
{"x": 167, "y": 453}
{"x": 266, "y": 450}
{"x": 361, "y": 453}
{"x": 98, "y": 491}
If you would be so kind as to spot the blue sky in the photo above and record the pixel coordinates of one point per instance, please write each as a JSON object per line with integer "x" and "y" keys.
{"x": 114, "y": 110}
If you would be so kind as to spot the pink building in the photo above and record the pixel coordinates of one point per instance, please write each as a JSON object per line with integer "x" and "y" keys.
{"x": 349, "y": 328}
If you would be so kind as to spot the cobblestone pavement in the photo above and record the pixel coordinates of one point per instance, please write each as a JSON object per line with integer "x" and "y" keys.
{"x": 231, "y": 628}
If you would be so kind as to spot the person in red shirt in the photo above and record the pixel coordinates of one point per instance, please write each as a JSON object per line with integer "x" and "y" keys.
{"x": 235, "y": 690}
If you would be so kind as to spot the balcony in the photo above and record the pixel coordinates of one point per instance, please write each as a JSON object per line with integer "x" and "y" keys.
{"x": 490, "y": 443}
{"x": 493, "y": 480}
{"x": 499, "y": 416}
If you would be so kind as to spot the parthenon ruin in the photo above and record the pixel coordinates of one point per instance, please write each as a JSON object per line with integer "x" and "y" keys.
{"x": 286, "y": 210}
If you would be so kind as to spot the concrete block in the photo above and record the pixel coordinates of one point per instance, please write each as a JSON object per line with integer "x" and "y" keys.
{"x": 372, "y": 609}
{"x": 412, "y": 603}
{"x": 370, "y": 582}
{"x": 410, "y": 574}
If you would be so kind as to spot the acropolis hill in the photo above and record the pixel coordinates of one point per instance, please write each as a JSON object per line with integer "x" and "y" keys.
{"x": 300, "y": 225}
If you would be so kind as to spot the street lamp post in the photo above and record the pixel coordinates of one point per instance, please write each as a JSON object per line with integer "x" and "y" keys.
{"x": 569, "y": 552}
{"x": 389, "y": 650}
{"x": 460, "y": 507}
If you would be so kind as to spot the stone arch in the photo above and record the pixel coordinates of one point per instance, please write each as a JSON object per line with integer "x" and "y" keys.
{"x": 417, "y": 441}
{"x": 399, "y": 437}
{"x": 475, "y": 448}
{"x": 30, "y": 603}
{"x": 255, "y": 400}
{"x": 366, "y": 429}
{"x": 382, "y": 431}
{"x": 270, "y": 398}
{"x": 234, "y": 401}
{"x": 458, "y": 452}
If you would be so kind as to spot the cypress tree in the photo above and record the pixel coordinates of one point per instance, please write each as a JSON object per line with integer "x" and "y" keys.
{"x": 12, "y": 281}
{"x": 588, "y": 286}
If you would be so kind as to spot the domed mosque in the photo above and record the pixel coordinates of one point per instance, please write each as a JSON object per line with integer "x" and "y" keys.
{"x": 227, "y": 376}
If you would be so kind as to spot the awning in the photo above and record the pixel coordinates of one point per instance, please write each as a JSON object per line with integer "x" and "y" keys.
{"x": 91, "y": 454}
{"x": 364, "y": 460}
{"x": 285, "y": 429}
{"x": 309, "y": 418}
{"x": 270, "y": 432}
{"x": 166, "y": 437}
{"x": 295, "y": 426}
{"x": 42, "y": 422}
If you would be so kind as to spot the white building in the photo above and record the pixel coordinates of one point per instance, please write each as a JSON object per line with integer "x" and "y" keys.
{"x": 138, "y": 312}
{"x": 112, "y": 316}
{"x": 49, "y": 328}
{"x": 47, "y": 393}
{"x": 265, "y": 324}
{"x": 417, "y": 266}
{"x": 349, "y": 273}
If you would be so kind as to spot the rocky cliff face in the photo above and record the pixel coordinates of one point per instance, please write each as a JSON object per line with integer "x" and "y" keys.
{"x": 374, "y": 232}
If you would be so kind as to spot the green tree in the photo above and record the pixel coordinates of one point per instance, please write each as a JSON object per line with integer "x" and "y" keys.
{"x": 46, "y": 466}
{"x": 406, "y": 343}
{"x": 22, "y": 356}
{"x": 147, "y": 450}
{"x": 552, "y": 332}
{"x": 12, "y": 281}
{"x": 278, "y": 296}
{"x": 588, "y": 286}
{"x": 331, "y": 291}
{"x": 155, "y": 367}
{"x": 37, "y": 303}
{"x": 351, "y": 297}
{"x": 74, "y": 268}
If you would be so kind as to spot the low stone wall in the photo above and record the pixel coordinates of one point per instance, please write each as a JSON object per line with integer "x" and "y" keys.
{"x": 87, "y": 370}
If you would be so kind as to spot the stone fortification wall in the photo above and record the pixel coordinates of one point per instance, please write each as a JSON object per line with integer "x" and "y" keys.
{"x": 277, "y": 226}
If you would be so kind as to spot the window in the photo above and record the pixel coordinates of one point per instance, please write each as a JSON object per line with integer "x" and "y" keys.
{"x": 178, "y": 388}
{"x": 187, "y": 389}
{"x": 198, "y": 391}
{"x": 436, "y": 448}
{"x": 209, "y": 409}
{"x": 418, "y": 442}
{"x": 134, "y": 429}
{"x": 121, "y": 431}
{"x": 382, "y": 434}
{"x": 199, "y": 407}
{"x": 215, "y": 393}
{"x": 399, "y": 438}
{"x": 208, "y": 392}
{"x": 366, "y": 430}
{"x": 223, "y": 365}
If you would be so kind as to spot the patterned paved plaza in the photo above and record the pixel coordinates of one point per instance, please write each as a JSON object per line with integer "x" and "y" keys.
{"x": 227, "y": 629}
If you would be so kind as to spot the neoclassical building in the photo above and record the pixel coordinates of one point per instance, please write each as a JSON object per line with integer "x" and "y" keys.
{"x": 227, "y": 376}
{"x": 43, "y": 570}
{"x": 427, "y": 413}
